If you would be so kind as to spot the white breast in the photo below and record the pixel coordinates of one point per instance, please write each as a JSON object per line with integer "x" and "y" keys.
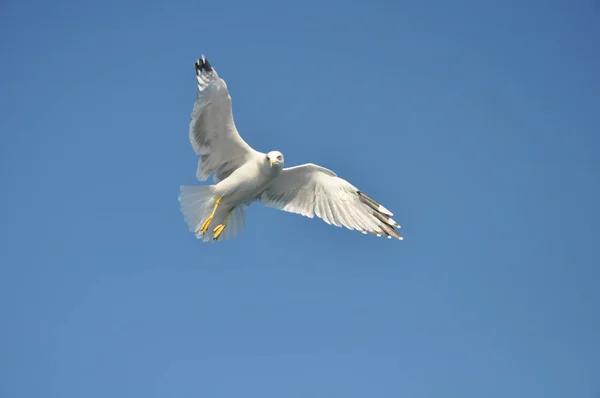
{"x": 246, "y": 183}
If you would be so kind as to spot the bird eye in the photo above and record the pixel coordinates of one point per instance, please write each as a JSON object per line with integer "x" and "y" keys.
{"x": 279, "y": 157}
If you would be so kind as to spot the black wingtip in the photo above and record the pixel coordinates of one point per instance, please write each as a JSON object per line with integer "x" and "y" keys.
{"x": 202, "y": 63}
{"x": 386, "y": 224}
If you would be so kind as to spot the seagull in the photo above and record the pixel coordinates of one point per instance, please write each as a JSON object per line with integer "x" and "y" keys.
{"x": 243, "y": 176}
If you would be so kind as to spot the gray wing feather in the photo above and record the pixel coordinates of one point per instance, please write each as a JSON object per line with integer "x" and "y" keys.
{"x": 312, "y": 190}
{"x": 212, "y": 130}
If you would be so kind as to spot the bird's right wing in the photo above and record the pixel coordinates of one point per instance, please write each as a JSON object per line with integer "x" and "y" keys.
{"x": 310, "y": 189}
{"x": 212, "y": 130}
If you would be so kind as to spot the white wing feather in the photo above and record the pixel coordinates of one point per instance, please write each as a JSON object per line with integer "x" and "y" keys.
{"x": 314, "y": 190}
{"x": 212, "y": 130}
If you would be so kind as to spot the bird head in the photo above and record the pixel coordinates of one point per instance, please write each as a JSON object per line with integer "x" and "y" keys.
{"x": 275, "y": 159}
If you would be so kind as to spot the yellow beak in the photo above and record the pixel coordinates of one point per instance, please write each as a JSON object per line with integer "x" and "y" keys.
{"x": 271, "y": 162}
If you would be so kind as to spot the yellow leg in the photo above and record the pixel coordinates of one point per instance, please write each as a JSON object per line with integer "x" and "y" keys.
{"x": 206, "y": 223}
{"x": 221, "y": 227}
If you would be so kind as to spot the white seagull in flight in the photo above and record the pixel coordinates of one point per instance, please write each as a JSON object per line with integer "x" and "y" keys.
{"x": 243, "y": 175}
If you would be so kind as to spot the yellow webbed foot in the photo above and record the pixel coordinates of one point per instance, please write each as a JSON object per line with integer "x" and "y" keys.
{"x": 218, "y": 231}
{"x": 221, "y": 227}
{"x": 206, "y": 224}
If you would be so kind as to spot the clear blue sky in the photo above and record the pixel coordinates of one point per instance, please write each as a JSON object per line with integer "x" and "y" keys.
{"x": 476, "y": 122}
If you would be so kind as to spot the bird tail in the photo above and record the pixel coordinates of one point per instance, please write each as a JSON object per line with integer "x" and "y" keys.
{"x": 196, "y": 203}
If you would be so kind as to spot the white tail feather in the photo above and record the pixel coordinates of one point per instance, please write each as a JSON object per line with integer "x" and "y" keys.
{"x": 197, "y": 203}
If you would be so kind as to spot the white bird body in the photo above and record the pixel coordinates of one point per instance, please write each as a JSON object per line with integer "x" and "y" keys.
{"x": 246, "y": 183}
{"x": 244, "y": 175}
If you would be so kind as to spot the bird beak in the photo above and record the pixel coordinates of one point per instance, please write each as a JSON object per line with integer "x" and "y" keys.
{"x": 271, "y": 161}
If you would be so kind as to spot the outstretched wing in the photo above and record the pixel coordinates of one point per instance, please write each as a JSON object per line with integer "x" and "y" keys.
{"x": 310, "y": 189}
{"x": 212, "y": 130}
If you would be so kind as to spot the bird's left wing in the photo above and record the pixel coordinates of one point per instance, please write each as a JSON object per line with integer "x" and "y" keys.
{"x": 212, "y": 130}
{"x": 314, "y": 190}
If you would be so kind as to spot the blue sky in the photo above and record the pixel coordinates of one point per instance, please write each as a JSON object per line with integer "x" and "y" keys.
{"x": 476, "y": 122}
